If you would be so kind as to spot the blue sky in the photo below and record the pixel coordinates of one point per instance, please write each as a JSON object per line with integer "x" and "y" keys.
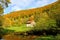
{"x": 26, "y": 4}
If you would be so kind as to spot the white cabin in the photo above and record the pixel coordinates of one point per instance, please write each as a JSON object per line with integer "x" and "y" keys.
{"x": 30, "y": 24}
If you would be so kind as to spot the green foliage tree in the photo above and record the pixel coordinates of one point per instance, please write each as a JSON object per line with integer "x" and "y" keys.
{"x": 54, "y": 13}
{"x": 36, "y": 16}
{"x": 45, "y": 22}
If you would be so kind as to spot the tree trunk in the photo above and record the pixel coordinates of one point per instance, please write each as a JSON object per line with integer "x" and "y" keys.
{"x": 1, "y": 15}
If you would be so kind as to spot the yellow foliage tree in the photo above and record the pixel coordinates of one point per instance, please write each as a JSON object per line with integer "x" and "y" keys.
{"x": 2, "y": 4}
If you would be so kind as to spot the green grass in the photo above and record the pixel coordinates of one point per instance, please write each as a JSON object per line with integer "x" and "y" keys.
{"x": 21, "y": 28}
{"x": 47, "y": 38}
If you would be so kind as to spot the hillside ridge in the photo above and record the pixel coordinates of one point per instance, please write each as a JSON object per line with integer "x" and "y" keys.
{"x": 35, "y": 9}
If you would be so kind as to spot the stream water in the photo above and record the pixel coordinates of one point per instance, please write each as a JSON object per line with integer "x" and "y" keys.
{"x": 1, "y": 39}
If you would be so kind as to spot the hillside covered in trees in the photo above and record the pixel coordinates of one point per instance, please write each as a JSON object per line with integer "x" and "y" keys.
{"x": 48, "y": 15}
